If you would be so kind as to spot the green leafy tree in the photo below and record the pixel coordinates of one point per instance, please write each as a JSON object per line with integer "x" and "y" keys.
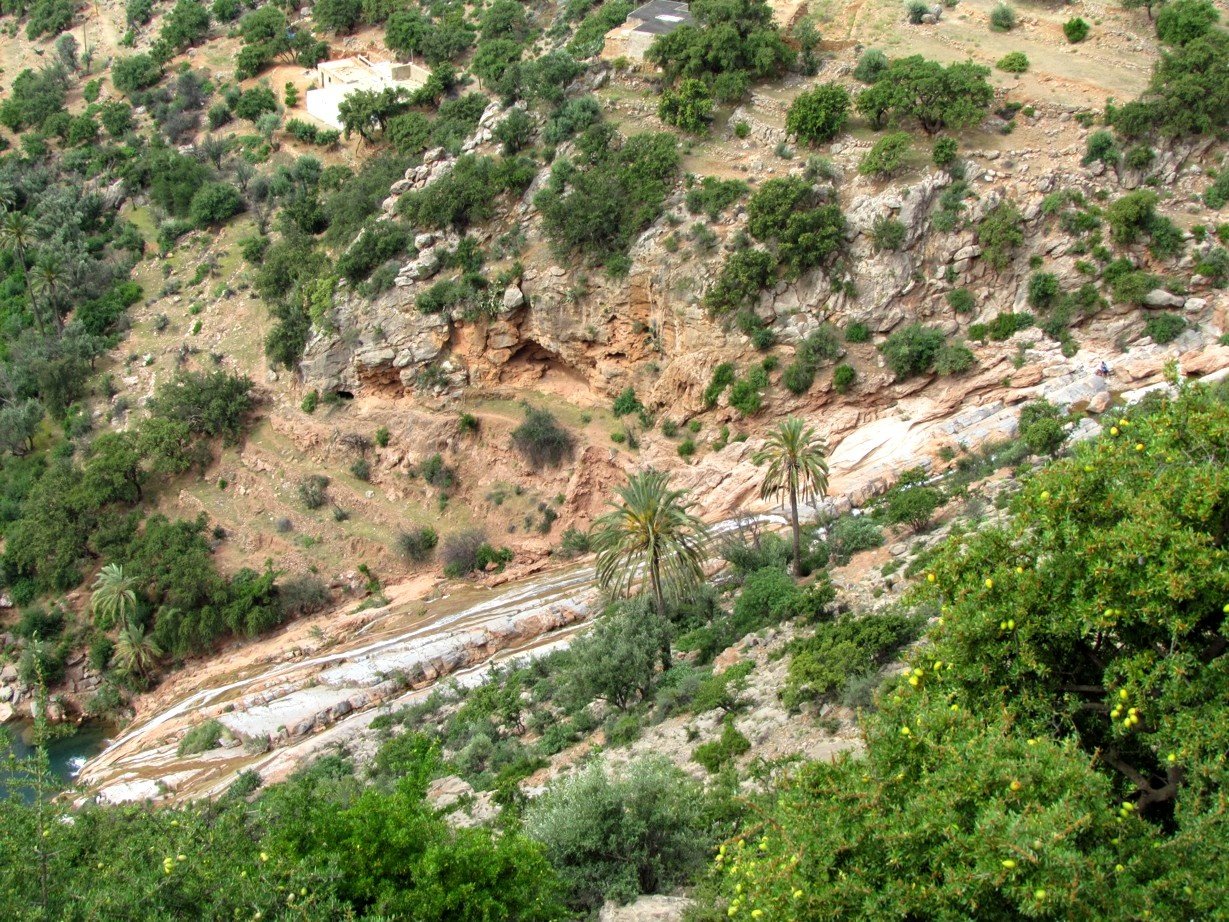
{"x": 337, "y": 16}
{"x": 797, "y": 466}
{"x": 818, "y": 115}
{"x": 650, "y": 536}
{"x": 1183, "y": 21}
{"x": 939, "y": 97}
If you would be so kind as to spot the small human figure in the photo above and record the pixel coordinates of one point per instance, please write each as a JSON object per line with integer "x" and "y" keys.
{"x": 1103, "y": 370}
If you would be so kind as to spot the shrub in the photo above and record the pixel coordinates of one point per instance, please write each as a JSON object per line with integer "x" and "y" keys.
{"x": 716, "y": 755}
{"x": 1101, "y": 147}
{"x": 841, "y": 650}
{"x": 1002, "y": 18}
{"x": 302, "y": 595}
{"x": 617, "y": 660}
{"x": 723, "y": 376}
{"x": 215, "y": 203}
{"x": 770, "y": 596}
{"x": 1043, "y": 290}
{"x": 1132, "y": 216}
{"x": 1076, "y": 30}
{"x": 798, "y": 377}
{"x": 644, "y": 829}
{"x": 961, "y": 300}
{"x": 912, "y": 350}
{"x": 1041, "y": 428}
{"x": 850, "y": 534}
{"x": 1164, "y": 327}
{"x": 1183, "y": 21}
{"x": 201, "y": 738}
{"x": 313, "y": 491}
{"x": 915, "y": 10}
{"x": 888, "y": 233}
{"x": 954, "y": 359}
{"x": 1000, "y": 233}
{"x": 843, "y": 378}
{"x": 627, "y": 402}
{"x": 541, "y": 440}
{"x": 871, "y": 65}
{"x": 465, "y": 552}
{"x": 436, "y": 473}
{"x": 690, "y": 107}
{"x": 745, "y": 396}
{"x": 913, "y": 505}
{"x": 573, "y": 543}
{"x": 418, "y": 545}
{"x": 944, "y": 152}
{"x": 135, "y": 73}
{"x": 818, "y": 115}
{"x": 1014, "y": 62}
{"x": 954, "y": 97}
{"x": 1008, "y": 324}
{"x": 745, "y": 274}
{"x": 887, "y": 156}
{"x": 857, "y": 332}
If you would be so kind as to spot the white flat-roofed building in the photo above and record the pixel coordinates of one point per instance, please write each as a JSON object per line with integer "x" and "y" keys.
{"x": 338, "y": 79}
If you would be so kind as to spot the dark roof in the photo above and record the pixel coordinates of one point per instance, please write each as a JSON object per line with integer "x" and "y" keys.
{"x": 660, "y": 17}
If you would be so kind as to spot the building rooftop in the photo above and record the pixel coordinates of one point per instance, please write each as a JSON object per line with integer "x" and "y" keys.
{"x": 661, "y": 17}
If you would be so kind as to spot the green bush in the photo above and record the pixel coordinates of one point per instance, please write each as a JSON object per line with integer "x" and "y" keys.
{"x": 1008, "y": 324}
{"x": 838, "y": 651}
{"x": 961, "y": 300}
{"x": 887, "y": 156}
{"x": 871, "y": 65}
{"x": 912, "y": 504}
{"x": 215, "y": 203}
{"x": 627, "y": 402}
{"x": 819, "y": 115}
{"x": 944, "y": 153}
{"x": 615, "y": 835}
{"x": 954, "y": 97}
{"x": 1002, "y": 18}
{"x": 850, "y": 534}
{"x": 857, "y": 332}
{"x": 954, "y": 359}
{"x": 201, "y": 738}
{"x": 1164, "y": 327}
{"x": 745, "y": 274}
{"x": 843, "y": 378}
{"x": 1183, "y": 21}
{"x": 1043, "y": 290}
{"x": 745, "y": 396}
{"x": 912, "y": 350}
{"x": 798, "y": 377}
{"x": 1076, "y": 30}
{"x": 1000, "y": 233}
{"x": 1014, "y": 62}
{"x": 888, "y": 233}
{"x": 716, "y": 755}
{"x": 690, "y": 107}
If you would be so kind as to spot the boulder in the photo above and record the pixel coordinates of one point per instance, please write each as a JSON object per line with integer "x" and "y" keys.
{"x": 1159, "y": 297}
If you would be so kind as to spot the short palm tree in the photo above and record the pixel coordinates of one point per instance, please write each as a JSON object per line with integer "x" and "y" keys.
{"x": 650, "y": 535}
{"x": 136, "y": 652}
{"x": 797, "y": 465}
{"x": 113, "y": 598}
{"x": 46, "y": 280}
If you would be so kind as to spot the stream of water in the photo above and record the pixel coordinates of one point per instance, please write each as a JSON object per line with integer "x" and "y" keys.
{"x": 67, "y": 754}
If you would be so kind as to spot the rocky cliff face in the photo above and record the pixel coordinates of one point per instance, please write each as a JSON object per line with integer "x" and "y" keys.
{"x": 596, "y": 333}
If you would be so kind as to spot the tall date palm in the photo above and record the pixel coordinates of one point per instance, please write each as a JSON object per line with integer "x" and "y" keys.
{"x": 797, "y": 465}
{"x": 650, "y": 536}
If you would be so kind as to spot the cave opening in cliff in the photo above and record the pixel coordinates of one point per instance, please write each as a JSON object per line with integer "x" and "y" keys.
{"x": 534, "y": 365}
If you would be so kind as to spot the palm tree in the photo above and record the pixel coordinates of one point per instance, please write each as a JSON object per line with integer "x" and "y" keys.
{"x": 113, "y": 599}
{"x": 45, "y": 280}
{"x": 16, "y": 232}
{"x": 650, "y": 533}
{"x": 135, "y": 652}
{"x": 796, "y": 464}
